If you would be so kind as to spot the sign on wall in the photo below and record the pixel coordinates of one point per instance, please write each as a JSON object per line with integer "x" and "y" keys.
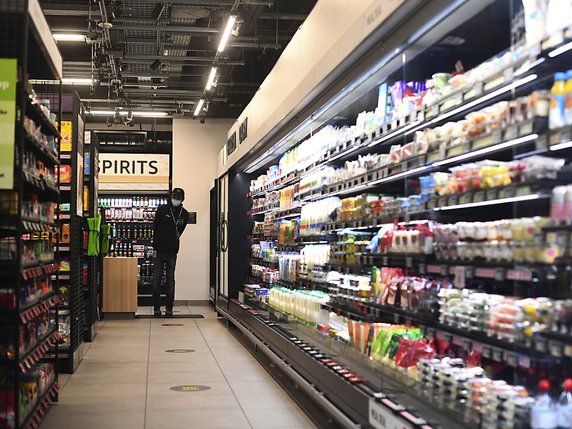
{"x": 8, "y": 75}
{"x": 231, "y": 144}
{"x": 122, "y": 171}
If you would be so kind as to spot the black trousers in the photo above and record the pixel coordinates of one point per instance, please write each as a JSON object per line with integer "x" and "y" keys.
{"x": 168, "y": 261}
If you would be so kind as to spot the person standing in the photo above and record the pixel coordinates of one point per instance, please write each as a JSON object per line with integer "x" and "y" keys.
{"x": 169, "y": 223}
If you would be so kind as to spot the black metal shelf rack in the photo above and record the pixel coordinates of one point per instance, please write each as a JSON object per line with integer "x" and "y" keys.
{"x": 93, "y": 288}
{"x": 27, "y": 306}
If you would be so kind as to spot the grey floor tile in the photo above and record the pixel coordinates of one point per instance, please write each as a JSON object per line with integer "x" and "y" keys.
{"x": 204, "y": 419}
{"x": 69, "y": 418}
{"x": 278, "y": 418}
{"x": 276, "y": 399}
{"x": 126, "y": 376}
{"x": 192, "y": 401}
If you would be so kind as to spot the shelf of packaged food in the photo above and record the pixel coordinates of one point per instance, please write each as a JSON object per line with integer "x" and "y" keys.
{"x": 262, "y": 237}
{"x": 278, "y": 184}
{"x": 499, "y": 350}
{"x": 558, "y": 344}
{"x": 35, "y": 353}
{"x": 280, "y": 214}
{"x": 260, "y": 261}
{"x": 34, "y": 108}
{"x": 30, "y": 310}
{"x": 39, "y": 185}
{"x": 148, "y": 221}
{"x": 348, "y": 390}
{"x": 44, "y": 152}
{"x": 45, "y": 400}
{"x": 262, "y": 210}
{"x": 456, "y": 103}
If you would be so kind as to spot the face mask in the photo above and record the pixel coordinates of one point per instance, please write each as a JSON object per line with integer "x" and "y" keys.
{"x": 176, "y": 203}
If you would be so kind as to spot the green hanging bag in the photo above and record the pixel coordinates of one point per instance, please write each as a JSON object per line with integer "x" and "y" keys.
{"x": 105, "y": 231}
{"x": 94, "y": 224}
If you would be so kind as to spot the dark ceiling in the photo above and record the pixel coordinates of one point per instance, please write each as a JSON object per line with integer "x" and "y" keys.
{"x": 146, "y": 55}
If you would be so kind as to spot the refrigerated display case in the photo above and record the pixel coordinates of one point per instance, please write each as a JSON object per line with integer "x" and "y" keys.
{"x": 407, "y": 259}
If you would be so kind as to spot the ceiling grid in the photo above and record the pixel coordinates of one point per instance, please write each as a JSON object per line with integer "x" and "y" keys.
{"x": 163, "y": 51}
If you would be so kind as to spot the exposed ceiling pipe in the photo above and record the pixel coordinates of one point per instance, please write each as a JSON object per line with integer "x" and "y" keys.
{"x": 167, "y": 28}
{"x": 283, "y": 16}
{"x": 107, "y": 45}
{"x": 211, "y": 3}
{"x": 189, "y": 63}
{"x": 169, "y": 58}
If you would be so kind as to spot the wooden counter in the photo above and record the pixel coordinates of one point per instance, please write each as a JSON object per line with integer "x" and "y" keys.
{"x": 120, "y": 285}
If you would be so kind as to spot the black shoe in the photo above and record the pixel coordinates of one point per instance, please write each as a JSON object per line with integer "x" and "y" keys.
{"x": 169, "y": 313}
{"x": 158, "y": 313}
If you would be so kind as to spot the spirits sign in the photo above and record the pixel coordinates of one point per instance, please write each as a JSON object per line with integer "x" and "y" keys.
{"x": 133, "y": 171}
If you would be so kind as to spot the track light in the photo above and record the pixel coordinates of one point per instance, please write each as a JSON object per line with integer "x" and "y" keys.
{"x": 211, "y": 79}
{"x": 226, "y": 34}
{"x": 199, "y": 106}
{"x": 68, "y": 37}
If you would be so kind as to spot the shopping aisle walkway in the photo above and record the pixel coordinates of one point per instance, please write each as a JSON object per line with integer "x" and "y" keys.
{"x": 126, "y": 377}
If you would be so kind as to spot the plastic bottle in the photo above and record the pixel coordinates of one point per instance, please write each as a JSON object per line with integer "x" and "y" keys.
{"x": 568, "y": 100}
{"x": 565, "y": 406}
{"x": 544, "y": 413}
{"x": 556, "y": 117}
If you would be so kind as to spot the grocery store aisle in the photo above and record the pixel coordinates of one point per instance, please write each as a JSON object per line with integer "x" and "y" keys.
{"x": 126, "y": 377}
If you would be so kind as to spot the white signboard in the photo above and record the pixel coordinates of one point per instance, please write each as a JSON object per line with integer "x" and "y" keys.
{"x": 122, "y": 171}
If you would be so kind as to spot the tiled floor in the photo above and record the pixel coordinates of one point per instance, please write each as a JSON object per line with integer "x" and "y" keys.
{"x": 126, "y": 377}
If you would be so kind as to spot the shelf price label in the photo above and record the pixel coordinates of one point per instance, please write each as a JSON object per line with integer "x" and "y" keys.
{"x": 381, "y": 417}
{"x": 460, "y": 276}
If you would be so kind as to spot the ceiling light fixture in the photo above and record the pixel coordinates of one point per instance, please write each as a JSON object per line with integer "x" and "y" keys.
{"x": 77, "y": 81}
{"x": 226, "y": 33}
{"x": 199, "y": 106}
{"x": 68, "y": 37}
{"x": 211, "y": 79}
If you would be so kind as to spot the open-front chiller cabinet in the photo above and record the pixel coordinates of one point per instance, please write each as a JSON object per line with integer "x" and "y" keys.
{"x": 405, "y": 258}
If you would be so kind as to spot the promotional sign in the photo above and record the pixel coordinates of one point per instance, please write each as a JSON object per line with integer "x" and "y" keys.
{"x": 8, "y": 76}
{"x": 122, "y": 171}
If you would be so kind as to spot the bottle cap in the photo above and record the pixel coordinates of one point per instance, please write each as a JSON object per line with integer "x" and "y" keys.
{"x": 567, "y": 385}
{"x": 544, "y": 386}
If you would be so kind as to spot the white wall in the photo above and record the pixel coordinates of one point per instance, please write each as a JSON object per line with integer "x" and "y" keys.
{"x": 196, "y": 150}
{"x": 331, "y": 32}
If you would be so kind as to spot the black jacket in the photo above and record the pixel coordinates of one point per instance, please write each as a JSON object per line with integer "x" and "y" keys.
{"x": 166, "y": 237}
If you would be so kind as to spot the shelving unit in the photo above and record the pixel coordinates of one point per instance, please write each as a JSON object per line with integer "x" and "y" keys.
{"x": 93, "y": 288}
{"x": 448, "y": 289}
{"x": 74, "y": 272}
{"x": 28, "y": 207}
